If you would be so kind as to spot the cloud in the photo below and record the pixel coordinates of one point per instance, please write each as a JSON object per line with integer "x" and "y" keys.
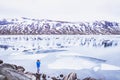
{"x": 74, "y": 10}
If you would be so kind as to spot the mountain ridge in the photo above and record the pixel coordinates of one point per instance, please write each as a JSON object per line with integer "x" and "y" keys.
{"x": 27, "y": 26}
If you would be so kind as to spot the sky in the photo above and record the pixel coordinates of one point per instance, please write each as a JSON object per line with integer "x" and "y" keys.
{"x": 67, "y": 10}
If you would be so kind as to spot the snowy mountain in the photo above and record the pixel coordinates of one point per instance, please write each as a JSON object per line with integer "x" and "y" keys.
{"x": 43, "y": 26}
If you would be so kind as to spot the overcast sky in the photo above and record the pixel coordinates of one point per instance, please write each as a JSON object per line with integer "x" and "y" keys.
{"x": 68, "y": 10}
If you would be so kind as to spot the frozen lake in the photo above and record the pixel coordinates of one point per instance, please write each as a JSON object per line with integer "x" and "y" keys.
{"x": 88, "y": 55}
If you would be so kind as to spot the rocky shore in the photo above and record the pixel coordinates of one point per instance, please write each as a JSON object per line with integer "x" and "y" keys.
{"x": 16, "y": 72}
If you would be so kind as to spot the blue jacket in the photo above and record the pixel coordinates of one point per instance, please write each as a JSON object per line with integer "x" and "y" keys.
{"x": 38, "y": 64}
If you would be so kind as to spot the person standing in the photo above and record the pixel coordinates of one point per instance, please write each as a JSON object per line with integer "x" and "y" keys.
{"x": 38, "y": 65}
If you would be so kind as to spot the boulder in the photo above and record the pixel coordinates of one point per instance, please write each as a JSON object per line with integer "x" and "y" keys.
{"x": 31, "y": 75}
{"x": 15, "y": 66}
{"x": 44, "y": 77}
{"x": 61, "y": 75}
{"x": 20, "y": 68}
{"x": 11, "y": 74}
{"x": 1, "y": 61}
{"x": 89, "y": 78}
{"x": 71, "y": 76}
{"x": 37, "y": 75}
{"x": 54, "y": 78}
{"x": 3, "y": 77}
{"x": 6, "y": 65}
{"x": 48, "y": 76}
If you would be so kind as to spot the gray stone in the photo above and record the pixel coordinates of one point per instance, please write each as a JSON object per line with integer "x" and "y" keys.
{"x": 3, "y": 77}
{"x": 89, "y": 78}
{"x": 37, "y": 75}
{"x": 71, "y": 76}
{"x": 6, "y": 65}
{"x": 1, "y": 61}
{"x": 20, "y": 68}
{"x": 13, "y": 74}
{"x": 53, "y": 78}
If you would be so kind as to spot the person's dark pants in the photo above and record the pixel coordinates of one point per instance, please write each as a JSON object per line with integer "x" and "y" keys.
{"x": 38, "y": 69}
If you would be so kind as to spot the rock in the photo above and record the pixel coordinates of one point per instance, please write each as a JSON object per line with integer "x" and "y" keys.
{"x": 89, "y": 78}
{"x": 61, "y": 75}
{"x": 71, "y": 76}
{"x": 31, "y": 75}
{"x": 57, "y": 77}
{"x": 10, "y": 73}
{"x": 44, "y": 77}
{"x": 54, "y": 78}
{"x": 3, "y": 77}
{"x": 15, "y": 66}
{"x": 20, "y": 69}
{"x": 1, "y": 61}
{"x": 48, "y": 76}
{"x": 37, "y": 75}
{"x": 6, "y": 65}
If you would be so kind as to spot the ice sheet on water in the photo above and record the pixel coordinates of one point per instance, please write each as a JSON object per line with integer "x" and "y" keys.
{"x": 59, "y": 41}
{"x": 79, "y": 52}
